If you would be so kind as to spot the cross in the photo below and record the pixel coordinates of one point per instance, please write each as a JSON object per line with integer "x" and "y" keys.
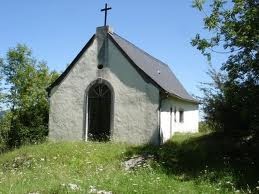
{"x": 105, "y": 10}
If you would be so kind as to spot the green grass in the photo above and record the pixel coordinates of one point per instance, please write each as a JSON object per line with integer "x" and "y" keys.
{"x": 187, "y": 164}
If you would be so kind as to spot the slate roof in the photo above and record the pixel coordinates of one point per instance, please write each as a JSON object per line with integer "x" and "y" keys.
{"x": 154, "y": 68}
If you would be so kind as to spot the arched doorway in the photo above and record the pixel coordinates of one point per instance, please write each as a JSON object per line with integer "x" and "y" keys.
{"x": 99, "y": 112}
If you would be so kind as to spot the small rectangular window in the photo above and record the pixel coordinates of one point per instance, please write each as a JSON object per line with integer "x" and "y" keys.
{"x": 175, "y": 114}
{"x": 171, "y": 124}
{"x": 181, "y": 116}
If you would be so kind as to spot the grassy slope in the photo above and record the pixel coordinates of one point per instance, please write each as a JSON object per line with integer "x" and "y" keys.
{"x": 188, "y": 164}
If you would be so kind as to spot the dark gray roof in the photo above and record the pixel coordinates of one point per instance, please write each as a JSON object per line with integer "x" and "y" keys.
{"x": 154, "y": 68}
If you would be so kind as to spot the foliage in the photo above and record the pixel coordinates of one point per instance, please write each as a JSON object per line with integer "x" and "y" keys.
{"x": 187, "y": 164}
{"x": 4, "y": 130}
{"x": 204, "y": 127}
{"x": 25, "y": 96}
{"x": 231, "y": 100}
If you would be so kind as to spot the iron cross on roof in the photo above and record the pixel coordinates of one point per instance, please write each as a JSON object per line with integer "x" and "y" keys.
{"x": 105, "y": 11}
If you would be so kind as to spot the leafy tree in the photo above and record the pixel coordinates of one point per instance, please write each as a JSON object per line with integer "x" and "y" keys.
{"x": 233, "y": 104}
{"x": 25, "y": 95}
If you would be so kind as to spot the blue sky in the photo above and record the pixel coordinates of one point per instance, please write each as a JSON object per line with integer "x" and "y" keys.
{"x": 56, "y": 30}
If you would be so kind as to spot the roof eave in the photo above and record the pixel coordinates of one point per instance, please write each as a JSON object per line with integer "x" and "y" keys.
{"x": 181, "y": 98}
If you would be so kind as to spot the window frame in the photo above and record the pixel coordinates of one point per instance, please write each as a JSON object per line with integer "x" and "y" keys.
{"x": 181, "y": 116}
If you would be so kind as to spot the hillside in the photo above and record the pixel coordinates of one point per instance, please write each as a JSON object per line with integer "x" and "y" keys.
{"x": 183, "y": 165}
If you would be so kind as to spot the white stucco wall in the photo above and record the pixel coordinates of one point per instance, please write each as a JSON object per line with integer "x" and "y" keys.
{"x": 170, "y": 122}
{"x": 136, "y": 101}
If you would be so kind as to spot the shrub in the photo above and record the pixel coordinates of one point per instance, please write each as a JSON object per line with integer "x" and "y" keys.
{"x": 204, "y": 127}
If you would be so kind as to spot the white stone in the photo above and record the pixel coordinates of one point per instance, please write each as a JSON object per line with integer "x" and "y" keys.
{"x": 73, "y": 187}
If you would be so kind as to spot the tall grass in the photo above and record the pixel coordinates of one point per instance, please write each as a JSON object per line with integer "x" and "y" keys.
{"x": 187, "y": 164}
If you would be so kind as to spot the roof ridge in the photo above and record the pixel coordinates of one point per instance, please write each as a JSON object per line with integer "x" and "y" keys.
{"x": 149, "y": 55}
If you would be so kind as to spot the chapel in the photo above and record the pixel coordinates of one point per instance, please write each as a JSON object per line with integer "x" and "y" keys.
{"x": 115, "y": 91}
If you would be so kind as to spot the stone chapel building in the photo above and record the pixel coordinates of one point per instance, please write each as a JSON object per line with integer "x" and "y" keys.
{"x": 115, "y": 91}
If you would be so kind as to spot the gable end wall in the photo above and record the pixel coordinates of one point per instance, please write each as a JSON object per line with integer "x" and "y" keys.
{"x": 136, "y": 101}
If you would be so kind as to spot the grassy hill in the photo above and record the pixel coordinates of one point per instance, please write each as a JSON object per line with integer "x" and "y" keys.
{"x": 188, "y": 164}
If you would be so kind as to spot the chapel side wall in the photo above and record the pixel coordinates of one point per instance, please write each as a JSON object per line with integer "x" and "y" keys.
{"x": 191, "y": 117}
{"x": 136, "y": 102}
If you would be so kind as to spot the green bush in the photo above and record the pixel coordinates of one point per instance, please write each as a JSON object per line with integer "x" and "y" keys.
{"x": 204, "y": 127}
{"x": 26, "y": 135}
{"x": 25, "y": 97}
{"x": 4, "y": 131}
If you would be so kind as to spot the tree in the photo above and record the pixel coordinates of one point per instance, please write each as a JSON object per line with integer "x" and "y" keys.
{"x": 234, "y": 27}
{"x": 25, "y": 95}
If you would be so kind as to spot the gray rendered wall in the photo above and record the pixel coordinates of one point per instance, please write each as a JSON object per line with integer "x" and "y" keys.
{"x": 136, "y": 102}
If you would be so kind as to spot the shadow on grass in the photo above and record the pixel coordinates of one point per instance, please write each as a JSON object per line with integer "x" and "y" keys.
{"x": 213, "y": 157}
